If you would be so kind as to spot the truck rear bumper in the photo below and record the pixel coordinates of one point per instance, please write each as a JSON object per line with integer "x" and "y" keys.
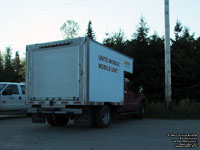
{"x": 81, "y": 116}
{"x": 74, "y": 111}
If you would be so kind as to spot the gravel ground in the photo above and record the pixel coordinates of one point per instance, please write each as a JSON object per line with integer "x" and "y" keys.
{"x": 123, "y": 134}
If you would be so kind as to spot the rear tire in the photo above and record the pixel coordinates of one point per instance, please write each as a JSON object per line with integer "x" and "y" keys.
{"x": 57, "y": 120}
{"x": 51, "y": 120}
{"x": 103, "y": 117}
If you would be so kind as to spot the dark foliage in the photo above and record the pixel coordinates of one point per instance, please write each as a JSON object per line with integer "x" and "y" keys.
{"x": 148, "y": 54}
{"x": 185, "y": 65}
{"x": 11, "y": 69}
{"x": 116, "y": 41}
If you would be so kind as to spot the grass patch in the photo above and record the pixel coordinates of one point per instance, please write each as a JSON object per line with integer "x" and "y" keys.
{"x": 184, "y": 110}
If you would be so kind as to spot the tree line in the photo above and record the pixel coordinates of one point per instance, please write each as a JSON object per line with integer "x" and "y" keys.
{"x": 11, "y": 70}
{"x": 148, "y": 53}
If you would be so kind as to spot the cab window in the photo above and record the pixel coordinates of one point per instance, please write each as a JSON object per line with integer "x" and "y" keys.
{"x": 2, "y": 86}
{"x": 23, "y": 89}
{"x": 12, "y": 88}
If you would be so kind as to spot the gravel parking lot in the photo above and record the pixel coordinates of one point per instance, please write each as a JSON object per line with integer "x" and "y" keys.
{"x": 123, "y": 134}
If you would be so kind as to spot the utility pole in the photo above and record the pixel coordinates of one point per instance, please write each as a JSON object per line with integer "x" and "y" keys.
{"x": 167, "y": 56}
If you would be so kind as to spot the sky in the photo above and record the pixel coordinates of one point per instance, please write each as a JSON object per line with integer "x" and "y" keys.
{"x": 24, "y": 22}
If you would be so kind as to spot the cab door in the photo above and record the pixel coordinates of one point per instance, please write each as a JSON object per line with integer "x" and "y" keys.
{"x": 11, "y": 98}
{"x": 22, "y": 100}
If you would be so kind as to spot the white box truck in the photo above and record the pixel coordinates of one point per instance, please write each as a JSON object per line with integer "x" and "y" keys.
{"x": 79, "y": 79}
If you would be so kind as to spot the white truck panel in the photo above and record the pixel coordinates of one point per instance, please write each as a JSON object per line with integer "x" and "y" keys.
{"x": 78, "y": 68}
{"x": 55, "y": 72}
{"x": 106, "y": 74}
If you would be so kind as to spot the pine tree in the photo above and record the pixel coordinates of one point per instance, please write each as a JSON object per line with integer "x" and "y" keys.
{"x": 116, "y": 41}
{"x": 23, "y": 70}
{"x": 8, "y": 69}
{"x": 16, "y": 67}
{"x": 142, "y": 31}
{"x": 148, "y": 52}
{"x": 178, "y": 29}
{"x": 185, "y": 76}
{"x": 89, "y": 32}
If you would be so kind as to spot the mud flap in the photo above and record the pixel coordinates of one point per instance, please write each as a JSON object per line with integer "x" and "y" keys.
{"x": 38, "y": 118}
{"x": 84, "y": 119}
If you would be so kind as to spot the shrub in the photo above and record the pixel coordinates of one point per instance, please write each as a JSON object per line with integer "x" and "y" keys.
{"x": 183, "y": 106}
{"x": 184, "y": 110}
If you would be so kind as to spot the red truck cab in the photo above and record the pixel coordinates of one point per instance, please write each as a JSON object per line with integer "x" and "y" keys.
{"x": 134, "y": 101}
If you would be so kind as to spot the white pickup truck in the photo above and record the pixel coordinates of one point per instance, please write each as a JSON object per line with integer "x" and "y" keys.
{"x": 12, "y": 97}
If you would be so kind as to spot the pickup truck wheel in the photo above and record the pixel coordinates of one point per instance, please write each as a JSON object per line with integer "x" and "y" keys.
{"x": 141, "y": 111}
{"x": 103, "y": 117}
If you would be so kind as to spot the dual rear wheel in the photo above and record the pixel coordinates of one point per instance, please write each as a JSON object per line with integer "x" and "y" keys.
{"x": 101, "y": 118}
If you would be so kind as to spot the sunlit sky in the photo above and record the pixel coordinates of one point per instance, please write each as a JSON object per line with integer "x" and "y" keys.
{"x": 24, "y": 22}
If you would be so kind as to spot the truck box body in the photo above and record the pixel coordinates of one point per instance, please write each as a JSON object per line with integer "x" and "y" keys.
{"x": 75, "y": 72}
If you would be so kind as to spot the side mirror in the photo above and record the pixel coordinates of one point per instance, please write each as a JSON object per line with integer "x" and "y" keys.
{"x": 7, "y": 92}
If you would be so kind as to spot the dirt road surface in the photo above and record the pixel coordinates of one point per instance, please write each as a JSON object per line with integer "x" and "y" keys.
{"x": 123, "y": 134}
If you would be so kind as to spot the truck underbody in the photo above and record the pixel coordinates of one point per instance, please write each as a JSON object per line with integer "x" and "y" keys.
{"x": 89, "y": 115}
